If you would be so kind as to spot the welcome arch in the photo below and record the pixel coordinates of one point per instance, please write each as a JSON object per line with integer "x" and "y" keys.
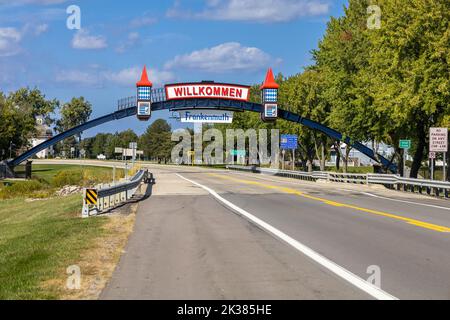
{"x": 191, "y": 96}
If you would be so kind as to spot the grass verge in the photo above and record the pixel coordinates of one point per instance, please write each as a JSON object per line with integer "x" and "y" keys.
{"x": 48, "y": 178}
{"x": 39, "y": 240}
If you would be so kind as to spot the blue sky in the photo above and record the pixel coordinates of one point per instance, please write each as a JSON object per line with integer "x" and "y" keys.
{"x": 179, "y": 40}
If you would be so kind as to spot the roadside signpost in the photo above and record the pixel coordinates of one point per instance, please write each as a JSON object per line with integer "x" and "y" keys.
{"x": 289, "y": 141}
{"x": 432, "y": 156}
{"x": 133, "y": 147}
{"x": 439, "y": 143}
{"x": 240, "y": 154}
{"x": 191, "y": 155}
{"x": 405, "y": 145}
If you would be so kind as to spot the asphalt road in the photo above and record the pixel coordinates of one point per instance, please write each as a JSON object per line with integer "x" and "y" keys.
{"x": 194, "y": 240}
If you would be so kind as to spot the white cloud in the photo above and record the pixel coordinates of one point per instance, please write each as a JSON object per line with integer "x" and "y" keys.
{"x": 230, "y": 56}
{"x": 85, "y": 78}
{"x": 254, "y": 10}
{"x": 83, "y": 40}
{"x": 41, "y": 28}
{"x": 9, "y": 41}
{"x": 132, "y": 40}
{"x": 143, "y": 21}
{"x": 10, "y": 38}
{"x": 131, "y": 75}
{"x": 94, "y": 76}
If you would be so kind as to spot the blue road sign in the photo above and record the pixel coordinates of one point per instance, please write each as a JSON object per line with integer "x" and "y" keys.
{"x": 289, "y": 141}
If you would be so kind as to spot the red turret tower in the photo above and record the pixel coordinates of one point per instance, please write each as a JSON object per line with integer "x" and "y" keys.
{"x": 144, "y": 96}
{"x": 269, "y": 98}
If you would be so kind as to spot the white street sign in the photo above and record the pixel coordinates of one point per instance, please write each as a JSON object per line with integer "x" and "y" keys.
{"x": 438, "y": 139}
{"x": 206, "y": 116}
{"x": 432, "y": 155}
{"x": 128, "y": 152}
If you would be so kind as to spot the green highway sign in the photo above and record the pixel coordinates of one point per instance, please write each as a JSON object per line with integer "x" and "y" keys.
{"x": 239, "y": 153}
{"x": 405, "y": 144}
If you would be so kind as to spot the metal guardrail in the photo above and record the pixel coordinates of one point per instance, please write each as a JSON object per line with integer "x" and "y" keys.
{"x": 112, "y": 196}
{"x": 422, "y": 186}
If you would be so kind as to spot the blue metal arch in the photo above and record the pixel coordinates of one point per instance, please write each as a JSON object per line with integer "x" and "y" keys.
{"x": 71, "y": 132}
{"x": 222, "y": 104}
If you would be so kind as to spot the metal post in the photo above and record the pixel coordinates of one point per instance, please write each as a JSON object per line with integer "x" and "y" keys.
{"x": 283, "y": 153}
{"x": 444, "y": 178}
{"x": 293, "y": 159}
{"x": 404, "y": 163}
{"x": 432, "y": 169}
{"x": 114, "y": 175}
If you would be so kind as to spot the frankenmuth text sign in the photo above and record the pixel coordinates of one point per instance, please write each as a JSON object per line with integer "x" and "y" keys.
{"x": 206, "y": 116}
{"x": 207, "y": 90}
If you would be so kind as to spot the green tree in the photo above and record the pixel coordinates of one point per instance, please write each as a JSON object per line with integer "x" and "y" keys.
{"x": 100, "y": 144}
{"x": 33, "y": 102}
{"x": 18, "y": 114}
{"x": 156, "y": 141}
{"x": 341, "y": 57}
{"x": 304, "y": 95}
{"x": 74, "y": 113}
{"x": 411, "y": 71}
{"x": 16, "y": 127}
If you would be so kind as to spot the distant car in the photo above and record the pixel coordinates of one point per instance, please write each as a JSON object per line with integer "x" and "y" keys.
{"x": 101, "y": 157}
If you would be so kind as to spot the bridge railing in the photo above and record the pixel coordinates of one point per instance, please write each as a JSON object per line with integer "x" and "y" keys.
{"x": 422, "y": 186}
{"x": 110, "y": 196}
{"x": 126, "y": 103}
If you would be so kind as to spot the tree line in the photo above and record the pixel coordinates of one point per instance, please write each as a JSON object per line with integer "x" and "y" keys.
{"x": 19, "y": 111}
{"x": 155, "y": 142}
{"x": 373, "y": 85}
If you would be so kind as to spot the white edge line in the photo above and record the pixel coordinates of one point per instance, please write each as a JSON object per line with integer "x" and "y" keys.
{"x": 330, "y": 265}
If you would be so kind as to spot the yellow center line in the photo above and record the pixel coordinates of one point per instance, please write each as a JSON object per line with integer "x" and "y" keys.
{"x": 417, "y": 223}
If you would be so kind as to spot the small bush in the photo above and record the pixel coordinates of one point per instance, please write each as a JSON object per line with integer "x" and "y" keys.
{"x": 65, "y": 178}
{"x": 22, "y": 188}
